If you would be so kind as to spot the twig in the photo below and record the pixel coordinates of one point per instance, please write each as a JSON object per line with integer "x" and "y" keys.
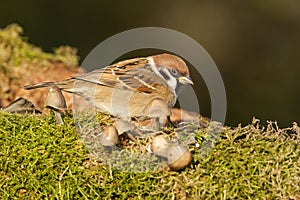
{"x": 59, "y": 182}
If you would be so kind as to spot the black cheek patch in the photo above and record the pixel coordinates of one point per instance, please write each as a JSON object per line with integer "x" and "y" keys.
{"x": 164, "y": 74}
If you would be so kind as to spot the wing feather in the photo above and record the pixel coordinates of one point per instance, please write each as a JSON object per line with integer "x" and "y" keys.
{"x": 133, "y": 74}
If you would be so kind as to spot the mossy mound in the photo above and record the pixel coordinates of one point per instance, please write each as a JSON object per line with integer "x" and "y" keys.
{"x": 15, "y": 50}
{"x": 42, "y": 160}
{"x": 23, "y": 63}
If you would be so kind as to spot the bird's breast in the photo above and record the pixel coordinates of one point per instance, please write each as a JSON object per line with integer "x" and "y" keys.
{"x": 128, "y": 103}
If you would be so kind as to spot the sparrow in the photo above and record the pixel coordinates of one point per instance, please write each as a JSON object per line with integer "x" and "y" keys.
{"x": 127, "y": 88}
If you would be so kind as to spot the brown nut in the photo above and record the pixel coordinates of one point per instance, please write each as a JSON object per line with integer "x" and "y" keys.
{"x": 109, "y": 136}
{"x": 55, "y": 101}
{"x": 159, "y": 146}
{"x": 178, "y": 157}
{"x": 157, "y": 110}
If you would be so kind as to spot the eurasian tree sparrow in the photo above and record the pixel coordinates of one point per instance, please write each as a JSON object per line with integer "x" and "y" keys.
{"x": 127, "y": 88}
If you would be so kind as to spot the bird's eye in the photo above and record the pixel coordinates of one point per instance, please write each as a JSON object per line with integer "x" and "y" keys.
{"x": 174, "y": 72}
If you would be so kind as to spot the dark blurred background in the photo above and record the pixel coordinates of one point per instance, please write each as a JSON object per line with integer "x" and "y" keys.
{"x": 255, "y": 44}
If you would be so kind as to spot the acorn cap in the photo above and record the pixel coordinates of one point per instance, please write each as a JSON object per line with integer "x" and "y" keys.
{"x": 55, "y": 99}
{"x": 109, "y": 136}
{"x": 178, "y": 157}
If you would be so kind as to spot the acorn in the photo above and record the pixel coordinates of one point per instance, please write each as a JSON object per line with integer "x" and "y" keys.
{"x": 158, "y": 111}
{"x": 159, "y": 146}
{"x": 55, "y": 101}
{"x": 178, "y": 157}
{"x": 109, "y": 136}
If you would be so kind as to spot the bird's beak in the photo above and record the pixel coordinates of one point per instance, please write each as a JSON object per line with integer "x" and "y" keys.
{"x": 185, "y": 80}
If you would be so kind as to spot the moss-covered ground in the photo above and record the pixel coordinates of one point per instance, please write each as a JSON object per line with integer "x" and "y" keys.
{"x": 39, "y": 160}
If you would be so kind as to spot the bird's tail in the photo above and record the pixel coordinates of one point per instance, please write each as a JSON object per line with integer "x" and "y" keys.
{"x": 63, "y": 85}
{"x": 39, "y": 85}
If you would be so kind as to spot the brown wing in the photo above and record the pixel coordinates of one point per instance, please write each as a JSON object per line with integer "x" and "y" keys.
{"x": 133, "y": 74}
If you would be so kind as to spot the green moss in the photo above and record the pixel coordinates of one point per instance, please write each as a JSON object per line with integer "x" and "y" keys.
{"x": 15, "y": 50}
{"x": 17, "y": 56}
{"x": 41, "y": 160}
